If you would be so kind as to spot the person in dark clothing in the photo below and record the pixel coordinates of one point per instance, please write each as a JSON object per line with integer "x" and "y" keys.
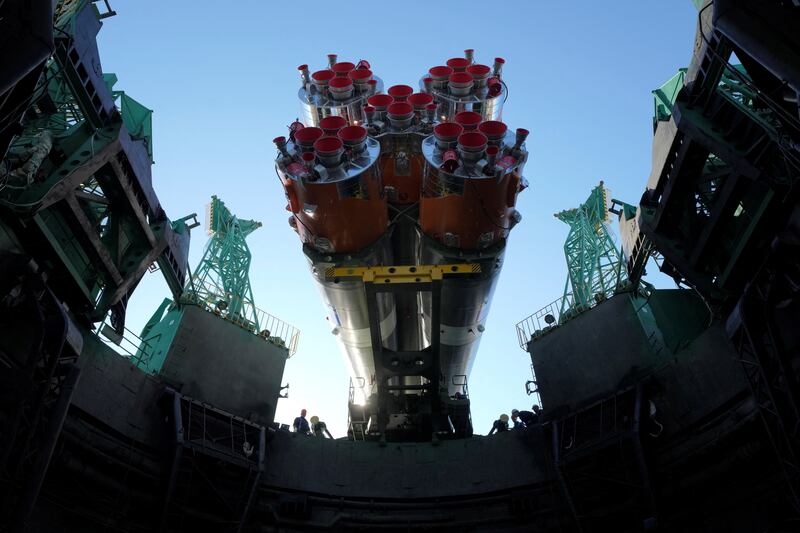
{"x": 501, "y": 424}
{"x": 319, "y": 429}
{"x": 515, "y": 419}
{"x": 300, "y": 424}
{"x": 525, "y": 418}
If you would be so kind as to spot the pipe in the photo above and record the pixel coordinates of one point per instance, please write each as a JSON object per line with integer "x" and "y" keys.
{"x": 305, "y": 76}
{"x": 491, "y": 158}
{"x": 280, "y": 143}
{"x": 497, "y": 69}
{"x": 469, "y": 55}
{"x": 522, "y": 134}
{"x": 308, "y": 159}
{"x": 430, "y": 112}
{"x": 369, "y": 114}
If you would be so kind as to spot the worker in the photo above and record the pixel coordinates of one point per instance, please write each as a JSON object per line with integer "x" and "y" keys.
{"x": 525, "y": 418}
{"x": 319, "y": 428}
{"x": 300, "y": 424}
{"x": 515, "y": 418}
{"x": 501, "y": 424}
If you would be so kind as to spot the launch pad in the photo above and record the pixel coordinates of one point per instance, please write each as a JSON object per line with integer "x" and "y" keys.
{"x": 664, "y": 410}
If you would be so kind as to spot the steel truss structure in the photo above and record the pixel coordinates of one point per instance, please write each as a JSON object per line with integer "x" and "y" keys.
{"x": 594, "y": 265}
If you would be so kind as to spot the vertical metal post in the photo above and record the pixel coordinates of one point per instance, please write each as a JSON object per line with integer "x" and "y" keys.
{"x": 177, "y": 421}
{"x": 436, "y": 367}
{"x": 377, "y": 357}
{"x": 262, "y": 440}
{"x": 33, "y": 483}
{"x": 639, "y": 451}
{"x": 562, "y": 480}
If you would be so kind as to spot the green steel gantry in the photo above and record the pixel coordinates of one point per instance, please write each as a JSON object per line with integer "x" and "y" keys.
{"x": 221, "y": 282}
{"x": 78, "y": 174}
{"x": 220, "y": 285}
{"x": 594, "y": 264}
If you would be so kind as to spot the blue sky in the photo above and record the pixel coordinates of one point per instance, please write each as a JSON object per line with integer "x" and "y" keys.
{"x": 221, "y": 79}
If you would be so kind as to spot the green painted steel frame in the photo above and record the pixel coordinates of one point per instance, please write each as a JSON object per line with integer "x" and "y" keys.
{"x": 594, "y": 264}
{"x": 221, "y": 281}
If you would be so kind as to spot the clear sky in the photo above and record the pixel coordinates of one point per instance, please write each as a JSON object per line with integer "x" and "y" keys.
{"x": 221, "y": 79}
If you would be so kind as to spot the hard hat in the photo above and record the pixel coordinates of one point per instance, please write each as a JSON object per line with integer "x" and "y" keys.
{"x": 504, "y": 417}
{"x": 314, "y": 419}
{"x": 514, "y": 412}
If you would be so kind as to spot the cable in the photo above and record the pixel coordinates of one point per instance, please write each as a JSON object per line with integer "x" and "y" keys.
{"x": 483, "y": 208}
{"x": 403, "y": 212}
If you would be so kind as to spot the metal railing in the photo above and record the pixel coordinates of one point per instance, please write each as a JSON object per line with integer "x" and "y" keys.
{"x": 545, "y": 319}
{"x": 460, "y": 380}
{"x": 251, "y": 318}
{"x": 128, "y": 345}
{"x": 356, "y": 427}
{"x": 563, "y": 309}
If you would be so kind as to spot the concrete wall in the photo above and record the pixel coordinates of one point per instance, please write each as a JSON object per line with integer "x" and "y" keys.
{"x": 590, "y": 355}
{"x": 623, "y": 339}
{"x": 703, "y": 378}
{"x": 365, "y": 469}
{"x": 118, "y": 393}
{"x": 218, "y": 362}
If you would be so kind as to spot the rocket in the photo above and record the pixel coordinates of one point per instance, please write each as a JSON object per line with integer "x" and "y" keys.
{"x": 400, "y": 178}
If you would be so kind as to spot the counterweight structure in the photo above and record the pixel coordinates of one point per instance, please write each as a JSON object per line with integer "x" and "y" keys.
{"x": 594, "y": 265}
{"x": 222, "y": 279}
{"x": 405, "y": 179}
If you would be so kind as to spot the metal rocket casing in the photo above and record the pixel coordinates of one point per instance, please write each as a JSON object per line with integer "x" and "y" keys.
{"x": 339, "y": 208}
{"x": 471, "y": 207}
{"x": 451, "y": 201}
{"x": 466, "y": 213}
{"x": 346, "y": 305}
{"x": 465, "y": 305}
{"x": 340, "y": 211}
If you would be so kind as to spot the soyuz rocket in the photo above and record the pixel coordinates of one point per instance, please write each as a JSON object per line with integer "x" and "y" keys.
{"x": 378, "y": 177}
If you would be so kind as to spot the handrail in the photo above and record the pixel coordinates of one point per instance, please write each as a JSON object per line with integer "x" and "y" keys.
{"x": 544, "y": 320}
{"x": 270, "y": 328}
{"x": 560, "y": 311}
{"x": 128, "y": 345}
